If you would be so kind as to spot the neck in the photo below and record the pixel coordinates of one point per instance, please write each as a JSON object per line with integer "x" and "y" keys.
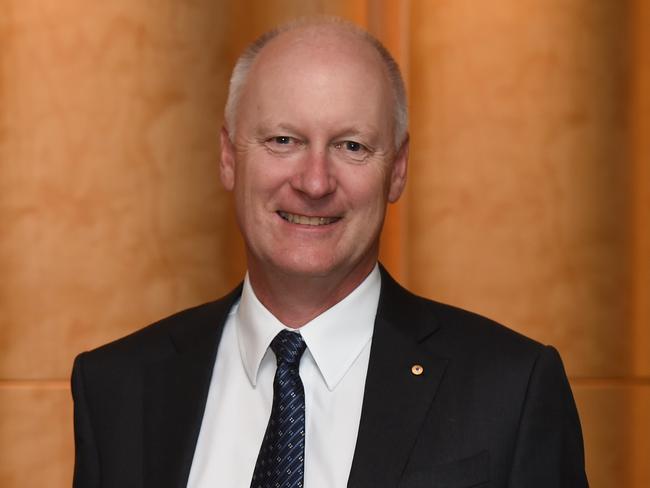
{"x": 296, "y": 300}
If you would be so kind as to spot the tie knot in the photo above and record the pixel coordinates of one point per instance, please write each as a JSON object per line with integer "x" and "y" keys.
{"x": 288, "y": 347}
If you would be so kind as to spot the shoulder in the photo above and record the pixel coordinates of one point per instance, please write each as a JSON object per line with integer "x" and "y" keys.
{"x": 454, "y": 332}
{"x": 162, "y": 337}
{"x": 464, "y": 330}
{"x": 487, "y": 351}
{"x": 485, "y": 361}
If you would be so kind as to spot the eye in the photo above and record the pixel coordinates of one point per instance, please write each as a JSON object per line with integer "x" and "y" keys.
{"x": 282, "y": 144}
{"x": 352, "y": 151}
{"x": 353, "y": 146}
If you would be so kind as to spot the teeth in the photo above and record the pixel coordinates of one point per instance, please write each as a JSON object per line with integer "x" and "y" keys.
{"x": 304, "y": 220}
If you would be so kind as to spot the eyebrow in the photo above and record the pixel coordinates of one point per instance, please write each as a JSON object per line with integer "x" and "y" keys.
{"x": 368, "y": 134}
{"x": 268, "y": 126}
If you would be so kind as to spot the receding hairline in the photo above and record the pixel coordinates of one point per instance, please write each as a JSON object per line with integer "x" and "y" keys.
{"x": 312, "y": 27}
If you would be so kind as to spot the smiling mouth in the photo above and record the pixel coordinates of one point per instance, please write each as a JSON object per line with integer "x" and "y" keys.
{"x": 305, "y": 220}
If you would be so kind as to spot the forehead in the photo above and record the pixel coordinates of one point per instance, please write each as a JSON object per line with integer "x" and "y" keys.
{"x": 319, "y": 70}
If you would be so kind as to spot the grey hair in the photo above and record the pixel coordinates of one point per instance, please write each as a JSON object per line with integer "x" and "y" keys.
{"x": 246, "y": 60}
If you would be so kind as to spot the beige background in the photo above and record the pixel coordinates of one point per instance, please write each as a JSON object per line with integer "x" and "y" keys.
{"x": 529, "y": 196}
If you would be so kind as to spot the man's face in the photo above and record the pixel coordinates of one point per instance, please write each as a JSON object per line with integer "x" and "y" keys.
{"x": 313, "y": 161}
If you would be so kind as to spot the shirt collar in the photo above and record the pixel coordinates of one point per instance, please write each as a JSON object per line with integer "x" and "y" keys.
{"x": 334, "y": 339}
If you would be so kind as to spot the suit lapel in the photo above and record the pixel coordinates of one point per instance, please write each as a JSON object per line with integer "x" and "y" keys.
{"x": 175, "y": 393}
{"x": 395, "y": 400}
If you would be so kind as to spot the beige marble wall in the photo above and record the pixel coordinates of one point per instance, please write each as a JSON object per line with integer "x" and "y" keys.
{"x": 35, "y": 435}
{"x": 111, "y": 213}
{"x": 528, "y": 201}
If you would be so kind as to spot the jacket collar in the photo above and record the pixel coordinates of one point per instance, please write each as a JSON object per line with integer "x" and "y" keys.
{"x": 335, "y": 338}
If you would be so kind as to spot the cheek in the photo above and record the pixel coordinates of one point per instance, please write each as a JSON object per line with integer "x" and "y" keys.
{"x": 372, "y": 184}
{"x": 257, "y": 186}
{"x": 369, "y": 195}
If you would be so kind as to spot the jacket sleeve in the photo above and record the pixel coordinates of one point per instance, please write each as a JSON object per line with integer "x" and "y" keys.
{"x": 86, "y": 466}
{"x": 549, "y": 449}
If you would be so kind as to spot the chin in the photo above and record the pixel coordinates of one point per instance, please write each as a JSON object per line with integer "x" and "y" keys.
{"x": 307, "y": 265}
{"x": 307, "y": 269}
{"x": 319, "y": 265}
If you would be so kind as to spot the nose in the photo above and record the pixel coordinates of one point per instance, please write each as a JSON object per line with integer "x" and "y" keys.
{"x": 313, "y": 176}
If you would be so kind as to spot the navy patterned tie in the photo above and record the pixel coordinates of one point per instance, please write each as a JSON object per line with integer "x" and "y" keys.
{"x": 281, "y": 461}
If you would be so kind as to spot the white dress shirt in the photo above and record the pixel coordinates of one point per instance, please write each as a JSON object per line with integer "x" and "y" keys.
{"x": 333, "y": 371}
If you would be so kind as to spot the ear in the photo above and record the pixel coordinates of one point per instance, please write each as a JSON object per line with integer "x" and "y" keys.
{"x": 398, "y": 172}
{"x": 227, "y": 164}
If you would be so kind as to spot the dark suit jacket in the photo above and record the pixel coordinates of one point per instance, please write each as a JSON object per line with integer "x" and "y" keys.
{"x": 491, "y": 409}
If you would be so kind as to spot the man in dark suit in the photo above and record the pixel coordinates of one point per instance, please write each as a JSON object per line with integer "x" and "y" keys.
{"x": 320, "y": 370}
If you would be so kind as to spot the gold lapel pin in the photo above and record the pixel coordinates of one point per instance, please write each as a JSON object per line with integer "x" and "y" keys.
{"x": 417, "y": 369}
